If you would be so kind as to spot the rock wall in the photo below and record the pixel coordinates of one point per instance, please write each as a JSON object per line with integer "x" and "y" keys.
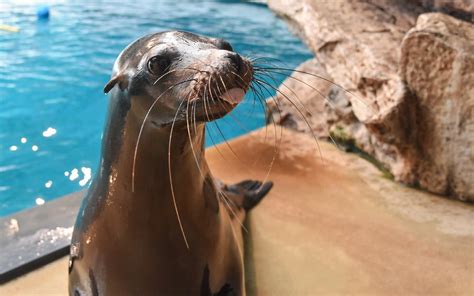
{"x": 462, "y": 9}
{"x": 403, "y": 87}
{"x": 437, "y": 64}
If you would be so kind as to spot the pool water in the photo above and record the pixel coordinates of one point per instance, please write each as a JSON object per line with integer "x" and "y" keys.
{"x": 52, "y": 74}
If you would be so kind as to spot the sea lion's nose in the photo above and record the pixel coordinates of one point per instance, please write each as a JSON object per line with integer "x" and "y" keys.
{"x": 236, "y": 60}
{"x": 224, "y": 45}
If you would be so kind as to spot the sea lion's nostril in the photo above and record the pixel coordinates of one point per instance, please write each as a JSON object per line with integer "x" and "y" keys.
{"x": 224, "y": 45}
{"x": 236, "y": 60}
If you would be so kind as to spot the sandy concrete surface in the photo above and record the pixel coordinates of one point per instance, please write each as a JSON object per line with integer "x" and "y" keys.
{"x": 50, "y": 280}
{"x": 331, "y": 226}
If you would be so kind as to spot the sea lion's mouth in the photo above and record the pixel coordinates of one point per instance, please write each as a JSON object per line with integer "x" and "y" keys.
{"x": 215, "y": 107}
{"x": 233, "y": 96}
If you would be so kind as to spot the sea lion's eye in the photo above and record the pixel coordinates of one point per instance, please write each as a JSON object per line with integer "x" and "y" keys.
{"x": 158, "y": 65}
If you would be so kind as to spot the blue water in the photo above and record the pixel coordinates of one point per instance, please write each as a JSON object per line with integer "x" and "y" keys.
{"x": 52, "y": 108}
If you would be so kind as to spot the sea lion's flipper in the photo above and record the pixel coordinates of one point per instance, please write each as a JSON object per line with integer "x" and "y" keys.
{"x": 226, "y": 290}
{"x": 252, "y": 191}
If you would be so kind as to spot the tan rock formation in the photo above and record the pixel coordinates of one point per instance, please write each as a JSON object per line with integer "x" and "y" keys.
{"x": 463, "y": 9}
{"x": 357, "y": 44}
{"x": 309, "y": 101}
{"x": 438, "y": 66}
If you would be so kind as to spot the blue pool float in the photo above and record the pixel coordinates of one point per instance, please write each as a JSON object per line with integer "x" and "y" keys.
{"x": 43, "y": 12}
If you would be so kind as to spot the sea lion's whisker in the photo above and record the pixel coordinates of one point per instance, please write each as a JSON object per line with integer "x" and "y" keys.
{"x": 243, "y": 84}
{"x": 239, "y": 123}
{"x": 240, "y": 83}
{"x": 249, "y": 86}
{"x": 299, "y": 111}
{"x": 190, "y": 138}
{"x": 255, "y": 94}
{"x": 171, "y": 176}
{"x": 266, "y": 73}
{"x": 307, "y": 84}
{"x": 263, "y": 106}
{"x": 208, "y": 94}
{"x": 293, "y": 93}
{"x": 277, "y": 140}
{"x": 226, "y": 200}
{"x": 241, "y": 254}
{"x": 165, "y": 74}
{"x": 261, "y": 97}
{"x": 206, "y": 99}
{"x": 214, "y": 143}
{"x": 227, "y": 143}
{"x": 194, "y": 153}
{"x": 143, "y": 125}
{"x": 306, "y": 109}
{"x": 281, "y": 70}
{"x": 193, "y": 109}
{"x": 175, "y": 70}
{"x": 224, "y": 196}
{"x": 210, "y": 134}
{"x": 223, "y": 83}
{"x": 205, "y": 102}
{"x": 262, "y": 101}
{"x": 218, "y": 128}
{"x": 216, "y": 94}
{"x": 219, "y": 91}
{"x": 221, "y": 192}
{"x": 255, "y": 61}
{"x": 194, "y": 115}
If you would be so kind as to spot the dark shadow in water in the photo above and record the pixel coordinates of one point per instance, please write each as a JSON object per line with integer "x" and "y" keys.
{"x": 256, "y": 3}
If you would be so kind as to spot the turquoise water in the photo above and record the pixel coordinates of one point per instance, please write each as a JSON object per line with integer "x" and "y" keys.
{"x": 52, "y": 75}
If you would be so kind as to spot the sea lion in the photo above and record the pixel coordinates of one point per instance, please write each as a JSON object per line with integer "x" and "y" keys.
{"x": 155, "y": 221}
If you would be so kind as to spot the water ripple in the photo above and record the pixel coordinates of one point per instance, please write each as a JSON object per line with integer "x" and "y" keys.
{"x": 52, "y": 75}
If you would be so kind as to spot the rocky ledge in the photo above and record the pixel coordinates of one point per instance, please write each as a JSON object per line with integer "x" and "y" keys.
{"x": 403, "y": 90}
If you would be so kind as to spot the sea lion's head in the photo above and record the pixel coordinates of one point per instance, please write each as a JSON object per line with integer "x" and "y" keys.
{"x": 179, "y": 76}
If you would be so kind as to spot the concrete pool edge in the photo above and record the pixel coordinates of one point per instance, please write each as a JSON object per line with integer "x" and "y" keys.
{"x": 37, "y": 236}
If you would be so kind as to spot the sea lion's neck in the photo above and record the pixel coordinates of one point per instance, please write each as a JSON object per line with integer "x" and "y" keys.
{"x": 159, "y": 170}
{"x": 159, "y": 152}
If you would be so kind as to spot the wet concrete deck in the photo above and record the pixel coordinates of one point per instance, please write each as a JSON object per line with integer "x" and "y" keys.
{"x": 330, "y": 226}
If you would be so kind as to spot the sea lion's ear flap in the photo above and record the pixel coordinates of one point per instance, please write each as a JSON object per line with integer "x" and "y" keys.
{"x": 121, "y": 79}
